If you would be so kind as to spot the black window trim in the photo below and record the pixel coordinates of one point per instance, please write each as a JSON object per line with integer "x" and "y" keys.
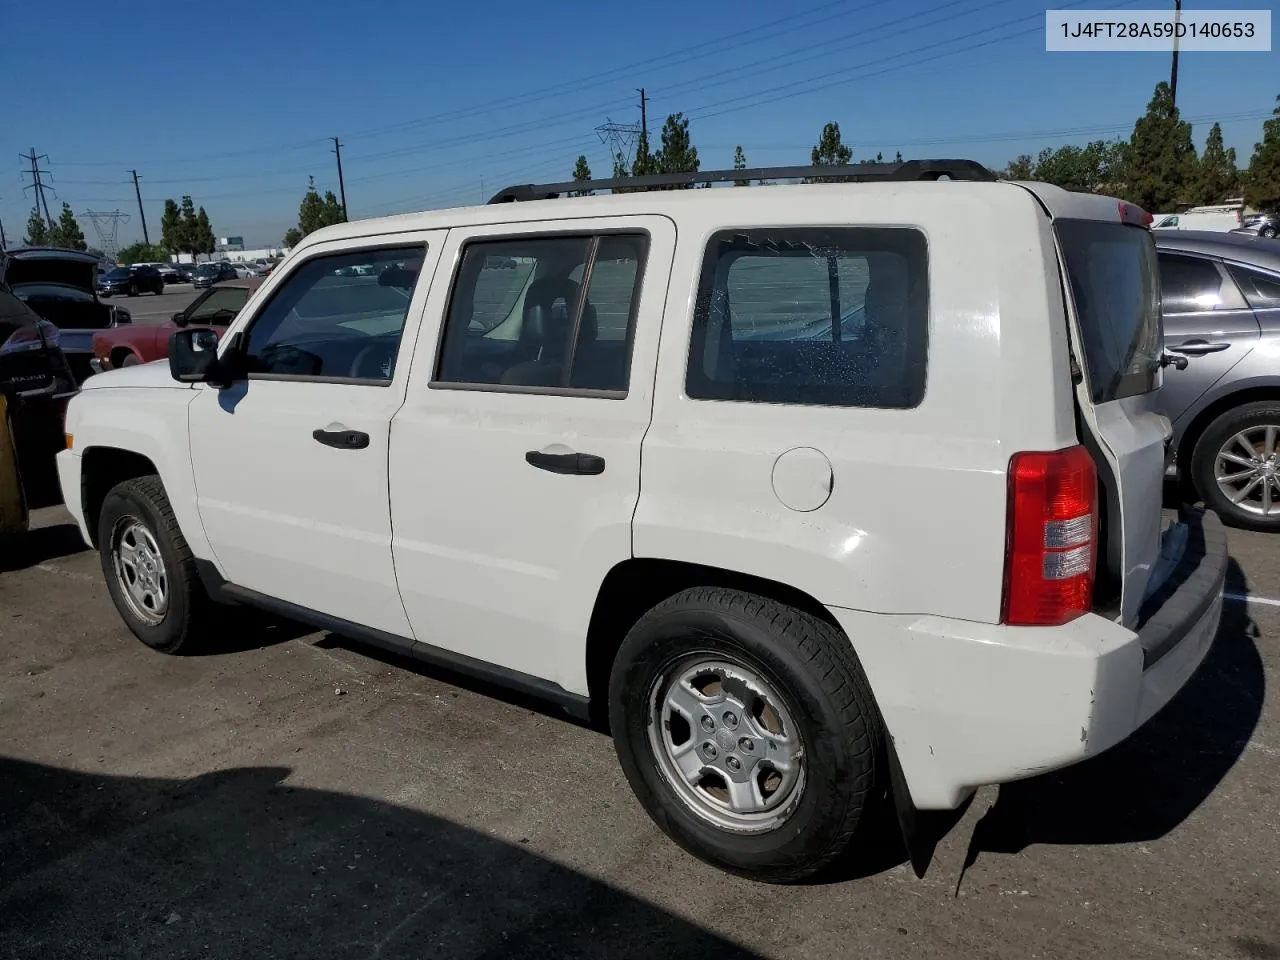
{"x": 316, "y": 254}
{"x": 593, "y": 237}
{"x": 706, "y": 279}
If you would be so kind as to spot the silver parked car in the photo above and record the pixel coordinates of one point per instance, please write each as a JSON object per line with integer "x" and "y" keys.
{"x": 1221, "y": 295}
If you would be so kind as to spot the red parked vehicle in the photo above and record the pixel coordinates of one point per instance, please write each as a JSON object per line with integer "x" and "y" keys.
{"x": 215, "y": 308}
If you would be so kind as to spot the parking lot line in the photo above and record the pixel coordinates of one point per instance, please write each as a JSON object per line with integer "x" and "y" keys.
{"x": 1250, "y": 598}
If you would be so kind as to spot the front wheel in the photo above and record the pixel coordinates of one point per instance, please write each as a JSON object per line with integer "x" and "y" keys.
{"x": 747, "y": 730}
{"x": 1267, "y": 232}
{"x": 130, "y": 360}
{"x": 133, "y": 289}
{"x": 150, "y": 572}
{"x": 1236, "y": 466}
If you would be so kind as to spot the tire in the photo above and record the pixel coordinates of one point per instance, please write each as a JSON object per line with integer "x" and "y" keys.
{"x": 823, "y": 697}
{"x": 133, "y": 289}
{"x": 188, "y": 615}
{"x": 130, "y": 360}
{"x": 1252, "y": 420}
{"x": 1267, "y": 232}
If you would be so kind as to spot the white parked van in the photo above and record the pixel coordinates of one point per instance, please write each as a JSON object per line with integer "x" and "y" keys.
{"x": 818, "y": 493}
{"x": 1220, "y": 217}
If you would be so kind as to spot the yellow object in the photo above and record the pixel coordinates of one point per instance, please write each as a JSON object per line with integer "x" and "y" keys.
{"x": 71, "y": 440}
{"x": 13, "y": 505}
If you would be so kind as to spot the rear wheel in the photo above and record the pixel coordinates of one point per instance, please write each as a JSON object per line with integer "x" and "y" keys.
{"x": 1236, "y": 466}
{"x": 129, "y": 360}
{"x": 747, "y": 731}
{"x": 1267, "y": 232}
{"x": 133, "y": 289}
{"x": 150, "y": 572}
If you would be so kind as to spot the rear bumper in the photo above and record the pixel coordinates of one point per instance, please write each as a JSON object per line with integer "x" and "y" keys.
{"x": 968, "y": 704}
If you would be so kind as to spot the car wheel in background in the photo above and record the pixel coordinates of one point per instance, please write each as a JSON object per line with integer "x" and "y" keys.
{"x": 1236, "y": 466}
{"x": 133, "y": 289}
{"x": 129, "y": 360}
{"x": 747, "y": 730}
{"x": 1267, "y": 232}
{"x": 150, "y": 572}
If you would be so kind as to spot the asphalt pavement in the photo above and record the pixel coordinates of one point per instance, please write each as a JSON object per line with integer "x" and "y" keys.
{"x": 157, "y": 308}
{"x": 296, "y": 795}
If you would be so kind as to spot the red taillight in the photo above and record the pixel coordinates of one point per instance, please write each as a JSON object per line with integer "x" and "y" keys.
{"x": 1052, "y": 537}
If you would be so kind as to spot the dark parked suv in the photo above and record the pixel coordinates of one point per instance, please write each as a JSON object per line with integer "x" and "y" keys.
{"x": 207, "y": 274}
{"x": 131, "y": 281}
{"x": 1221, "y": 295}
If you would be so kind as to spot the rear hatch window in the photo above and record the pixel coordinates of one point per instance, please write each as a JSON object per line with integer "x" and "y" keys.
{"x": 1113, "y": 275}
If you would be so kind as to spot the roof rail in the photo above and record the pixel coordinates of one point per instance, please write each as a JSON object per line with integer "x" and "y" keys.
{"x": 854, "y": 172}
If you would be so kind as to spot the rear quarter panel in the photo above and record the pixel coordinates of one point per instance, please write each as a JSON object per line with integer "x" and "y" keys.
{"x": 915, "y": 520}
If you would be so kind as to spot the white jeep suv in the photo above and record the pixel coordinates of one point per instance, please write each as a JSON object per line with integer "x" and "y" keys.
{"x": 818, "y": 493}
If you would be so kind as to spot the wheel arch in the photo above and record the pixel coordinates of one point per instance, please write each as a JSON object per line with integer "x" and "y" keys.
{"x": 101, "y": 469}
{"x": 1264, "y": 392}
{"x": 120, "y": 352}
{"x": 635, "y": 585}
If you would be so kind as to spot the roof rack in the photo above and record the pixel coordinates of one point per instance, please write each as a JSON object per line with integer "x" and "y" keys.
{"x": 854, "y": 172}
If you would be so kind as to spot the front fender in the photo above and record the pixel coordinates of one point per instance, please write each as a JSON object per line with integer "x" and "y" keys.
{"x": 149, "y": 422}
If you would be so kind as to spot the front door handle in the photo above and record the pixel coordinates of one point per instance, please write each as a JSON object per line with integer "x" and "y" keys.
{"x": 583, "y": 464}
{"x": 342, "y": 439}
{"x": 1196, "y": 348}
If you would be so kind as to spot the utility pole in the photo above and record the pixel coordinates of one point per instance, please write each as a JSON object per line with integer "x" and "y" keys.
{"x": 644, "y": 115}
{"x": 342, "y": 188}
{"x": 137, "y": 191}
{"x": 37, "y": 184}
{"x": 1173, "y": 74}
{"x": 3, "y": 243}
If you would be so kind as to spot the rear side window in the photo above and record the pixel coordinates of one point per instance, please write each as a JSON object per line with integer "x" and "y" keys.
{"x": 1189, "y": 284}
{"x": 1113, "y": 279}
{"x": 1262, "y": 290}
{"x": 834, "y": 316}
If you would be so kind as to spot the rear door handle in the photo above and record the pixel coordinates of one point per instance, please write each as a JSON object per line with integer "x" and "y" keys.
{"x": 1196, "y": 348}
{"x": 342, "y": 439}
{"x": 583, "y": 464}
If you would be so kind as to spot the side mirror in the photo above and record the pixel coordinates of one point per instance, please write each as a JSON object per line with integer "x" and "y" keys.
{"x": 179, "y": 319}
{"x": 123, "y": 316}
{"x": 193, "y": 356}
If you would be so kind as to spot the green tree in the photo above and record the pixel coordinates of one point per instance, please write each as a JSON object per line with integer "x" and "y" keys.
{"x": 292, "y": 237}
{"x": 1217, "y": 177}
{"x": 38, "y": 232}
{"x": 315, "y": 211}
{"x": 205, "y": 241}
{"x": 1161, "y": 159}
{"x": 66, "y": 233}
{"x": 188, "y": 234}
{"x": 1095, "y": 167}
{"x": 581, "y": 174}
{"x": 1020, "y": 167}
{"x": 677, "y": 153}
{"x": 1262, "y": 187}
{"x": 830, "y": 151}
{"x": 645, "y": 163}
{"x": 171, "y": 237}
{"x": 142, "y": 253}
{"x": 740, "y": 163}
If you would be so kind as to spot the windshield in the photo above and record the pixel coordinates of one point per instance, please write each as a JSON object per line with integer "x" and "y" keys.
{"x": 119, "y": 273}
{"x": 205, "y": 270}
{"x": 1112, "y": 271}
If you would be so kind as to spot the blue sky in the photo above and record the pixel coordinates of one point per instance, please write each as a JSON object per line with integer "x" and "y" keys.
{"x": 437, "y": 106}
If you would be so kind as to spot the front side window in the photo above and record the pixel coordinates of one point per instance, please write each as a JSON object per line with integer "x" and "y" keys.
{"x": 551, "y": 312}
{"x": 835, "y": 316}
{"x": 219, "y": 307}
{"x": 324, "y": 322}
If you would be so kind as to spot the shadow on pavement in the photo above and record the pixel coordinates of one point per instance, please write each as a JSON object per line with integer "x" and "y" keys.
{"x": 41, "y": 545}
{"x": 238, "y": 864}
{"x": 1146, "y": 786}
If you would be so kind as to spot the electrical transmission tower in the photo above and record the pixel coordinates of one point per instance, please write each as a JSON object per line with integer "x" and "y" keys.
{"x": 37, "y": 185}
{"x": 106, "y": 224}
{"x": 621, "y": 138}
